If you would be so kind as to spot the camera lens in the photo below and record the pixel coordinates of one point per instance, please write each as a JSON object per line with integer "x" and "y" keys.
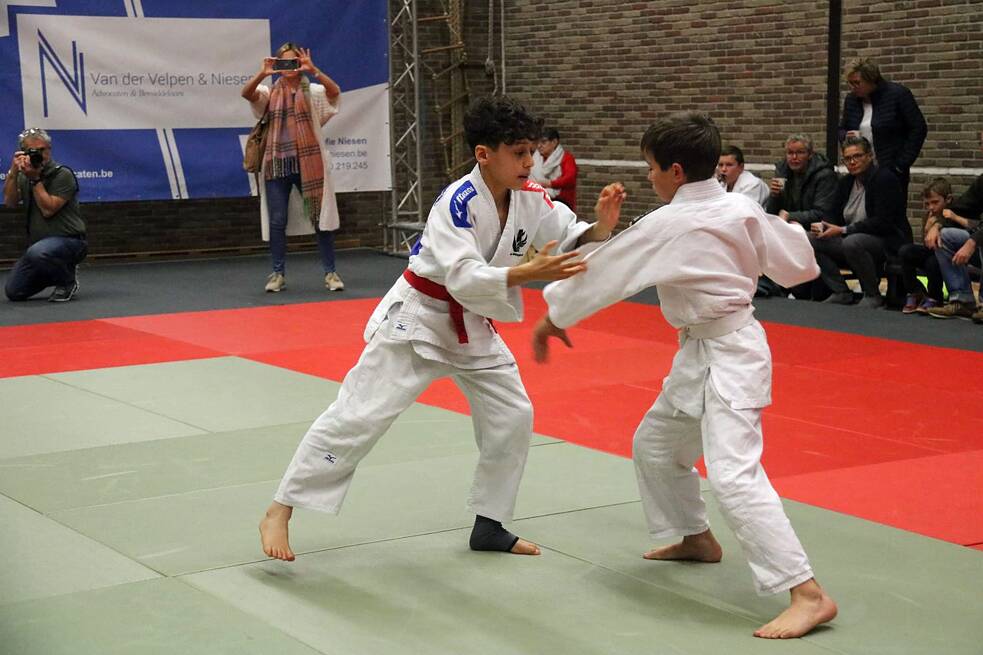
{"x": 36, "y": 157}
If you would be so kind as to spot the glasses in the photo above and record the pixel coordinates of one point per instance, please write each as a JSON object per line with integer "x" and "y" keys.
{"x": 797, "y": 153}
{"x": 849, "y": 159}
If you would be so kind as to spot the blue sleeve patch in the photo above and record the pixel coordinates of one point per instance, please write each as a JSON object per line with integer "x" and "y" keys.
{"x": 417, "y": 246}
{"x": 459, "y": 204}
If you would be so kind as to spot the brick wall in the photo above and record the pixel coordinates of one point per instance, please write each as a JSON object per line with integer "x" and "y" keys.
{"x": 203, "y": 227}
{"x": 602, "y": 70}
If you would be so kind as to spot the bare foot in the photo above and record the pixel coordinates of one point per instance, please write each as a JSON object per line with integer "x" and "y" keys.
{"x": 273, "y": 532}
{"x": 523, "y": 547}
{"x": 810, "y": 607}
{"x": 701, "y": 547}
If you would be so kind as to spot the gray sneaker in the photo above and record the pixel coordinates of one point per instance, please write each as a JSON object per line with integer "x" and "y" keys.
{"x": 333, "y": 282}
{"x": 872, "y": 302}
{"x": 276, "y": 282}
{"x": 845, "y": 298}
{"x": 65, "y": 293}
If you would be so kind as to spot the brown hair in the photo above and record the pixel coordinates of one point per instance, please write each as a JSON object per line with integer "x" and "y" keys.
{"x": 688, "y": 139}
{"x": 939, "y": 185}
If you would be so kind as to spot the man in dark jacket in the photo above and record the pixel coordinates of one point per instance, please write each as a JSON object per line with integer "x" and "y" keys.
{"x": 803, "y": 190}
{"x": 804, "y": 187}
{"x": 887, "y": 114}
{"x": 869, "y": 223}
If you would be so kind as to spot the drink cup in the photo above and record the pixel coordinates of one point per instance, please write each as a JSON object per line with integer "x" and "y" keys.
{"x": 781, "y": 182}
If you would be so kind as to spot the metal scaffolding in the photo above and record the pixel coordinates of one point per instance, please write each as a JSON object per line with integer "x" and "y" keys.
{"x": 405, "y": 222}
{"x": 445, "y": 66}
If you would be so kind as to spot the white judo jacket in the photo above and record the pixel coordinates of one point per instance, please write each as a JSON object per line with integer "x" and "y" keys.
{"x": 465, "y": 249}
{"x": 752, "y": 186}
{"x": 704, "y": 252}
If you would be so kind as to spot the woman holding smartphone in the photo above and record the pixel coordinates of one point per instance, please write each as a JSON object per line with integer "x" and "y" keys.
{"x": 296, "y": 157}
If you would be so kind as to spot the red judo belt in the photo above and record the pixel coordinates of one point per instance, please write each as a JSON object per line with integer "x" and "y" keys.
{"x": 439, "y": 292}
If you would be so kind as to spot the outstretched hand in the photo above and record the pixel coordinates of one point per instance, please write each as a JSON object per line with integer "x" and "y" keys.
{"x": 608, "y": 208}
{"x": 540, "y": 339}
{"x": 545, "y": 267}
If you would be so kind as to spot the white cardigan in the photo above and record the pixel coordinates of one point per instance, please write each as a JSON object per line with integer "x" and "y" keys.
{"x": 297, "y": 223}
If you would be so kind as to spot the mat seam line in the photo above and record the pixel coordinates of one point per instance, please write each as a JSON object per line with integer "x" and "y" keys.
{"x": 47, "y": 376}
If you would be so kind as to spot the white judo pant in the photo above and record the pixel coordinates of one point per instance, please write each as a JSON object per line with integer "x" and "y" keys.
{"x": 387, "y": 379}
{"x": 666, "y": 445}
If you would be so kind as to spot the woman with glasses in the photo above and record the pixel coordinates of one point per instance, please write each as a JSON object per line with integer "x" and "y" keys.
{"x": 868, "y": 223}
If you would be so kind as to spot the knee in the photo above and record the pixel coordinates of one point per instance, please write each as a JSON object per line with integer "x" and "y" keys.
{"x": 518, "y": 429}
{"x": 728, "y": 487}
{"x": 647, "y": 451}
{"x": 953, "y": 237}
{"x": 13, "y": 294}
{"x": 851, "y": 247}
{"x": 41, "y": 253}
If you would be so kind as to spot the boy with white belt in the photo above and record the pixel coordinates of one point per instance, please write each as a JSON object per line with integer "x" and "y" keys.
{"x": 704, "y": 251}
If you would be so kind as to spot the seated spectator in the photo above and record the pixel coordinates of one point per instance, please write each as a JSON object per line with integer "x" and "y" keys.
{"x": 48, "y": 192}
{"x": 555, "y": 169}
{"x": 959, "y": 245}
{"x": 733, "y": 177}
{"x": 803, "y": 191}
{"x": 869, "y": 223}
{"x": 804, "y": 187}
{"x": 937, "y": 195}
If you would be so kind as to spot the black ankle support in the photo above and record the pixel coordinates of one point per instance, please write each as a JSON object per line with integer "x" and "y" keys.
{"x": 490, "y": 535}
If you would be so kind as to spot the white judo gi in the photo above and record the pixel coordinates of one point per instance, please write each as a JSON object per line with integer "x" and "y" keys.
{"x": 704, "y": 252}
{"x": 412, "y": 341}
{"x": 752, "y": 186}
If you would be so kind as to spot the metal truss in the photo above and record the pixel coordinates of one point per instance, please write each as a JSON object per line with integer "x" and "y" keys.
{"x": 406, "y": 221}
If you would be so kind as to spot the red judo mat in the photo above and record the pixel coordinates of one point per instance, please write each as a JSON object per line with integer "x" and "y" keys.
{"x": 851, "y": 428}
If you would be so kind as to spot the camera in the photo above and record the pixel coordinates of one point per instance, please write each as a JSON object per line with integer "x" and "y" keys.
{"x": 36, "y": 156}
{"x": 286, "y": 64}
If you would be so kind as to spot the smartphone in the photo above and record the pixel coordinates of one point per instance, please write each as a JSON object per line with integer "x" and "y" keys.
{"x": 286, "y": 64}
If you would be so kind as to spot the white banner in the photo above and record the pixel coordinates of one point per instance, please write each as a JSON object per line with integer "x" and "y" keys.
{"x": 103, "y": 73}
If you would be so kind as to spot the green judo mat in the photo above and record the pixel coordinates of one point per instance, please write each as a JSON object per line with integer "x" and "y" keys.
{"x": 130, "y": 509}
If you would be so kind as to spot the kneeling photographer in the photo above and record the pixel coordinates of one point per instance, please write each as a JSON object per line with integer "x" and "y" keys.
{"x": 48, "y": 192}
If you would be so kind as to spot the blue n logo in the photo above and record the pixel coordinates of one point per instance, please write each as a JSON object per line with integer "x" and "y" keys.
{"x": 75, "y": 83}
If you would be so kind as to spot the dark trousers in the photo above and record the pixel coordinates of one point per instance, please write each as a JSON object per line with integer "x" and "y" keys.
{"x": 864, "y": 254}
{"x": 277, "y": 200}
{"x": 48, "y": 262}
{"x": 914, "y": 258}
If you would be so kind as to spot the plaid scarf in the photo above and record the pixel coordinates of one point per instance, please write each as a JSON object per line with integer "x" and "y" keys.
{"x": 295, "y": 149}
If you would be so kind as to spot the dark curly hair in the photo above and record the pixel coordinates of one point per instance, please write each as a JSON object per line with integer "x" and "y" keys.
{"x": 688, "y": 139}
{"x": 491, "y": 121}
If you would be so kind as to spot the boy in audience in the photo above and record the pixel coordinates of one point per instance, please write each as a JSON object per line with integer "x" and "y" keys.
{"x": 936, "y": 195}
{"x": 960, "y": 241}
{"x": 733, "y": 177}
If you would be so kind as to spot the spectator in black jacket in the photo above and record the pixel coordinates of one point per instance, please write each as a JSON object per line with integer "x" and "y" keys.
{"x": 803, "y": 191}
{"x": 804, "y": 187}
{"x": 869, "y": 223}
{"x": 887, "y": 115}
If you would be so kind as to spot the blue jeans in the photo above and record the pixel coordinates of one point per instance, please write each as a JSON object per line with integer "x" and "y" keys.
{"x": 50, "y": 261}
{"x": 277, "y": 199}
{"x": 956, "y": 277}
